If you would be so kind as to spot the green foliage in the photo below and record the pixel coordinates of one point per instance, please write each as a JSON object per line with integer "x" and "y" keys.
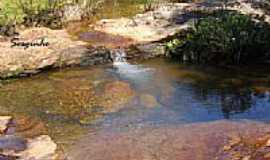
{"x": 225, "y": 38}
{"x": 39, "y": 12}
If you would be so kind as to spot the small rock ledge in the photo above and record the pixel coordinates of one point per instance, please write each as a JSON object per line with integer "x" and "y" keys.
{"x": 13, "y": 146}
{"x": 61, "y": 51}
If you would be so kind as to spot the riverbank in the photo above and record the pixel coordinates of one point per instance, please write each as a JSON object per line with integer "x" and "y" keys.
{"x": 38, "y": 49}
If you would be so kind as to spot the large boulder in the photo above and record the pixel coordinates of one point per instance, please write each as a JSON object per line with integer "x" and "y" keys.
{"x": 59, "y": 50}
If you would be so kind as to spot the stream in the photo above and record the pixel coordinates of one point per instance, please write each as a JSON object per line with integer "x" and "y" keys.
{"x": 70, "y": 103}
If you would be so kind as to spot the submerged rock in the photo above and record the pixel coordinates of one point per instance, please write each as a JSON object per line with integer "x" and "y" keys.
{"x": 29, "y": 127}
{"x": 10, "y": 142}
{"x": 199, "y": 141}
{"x": 148, "y": 101}
{"x": 116, "y": 94}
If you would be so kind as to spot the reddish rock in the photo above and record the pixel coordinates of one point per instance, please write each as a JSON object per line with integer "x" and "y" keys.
{"x": 116, "y": 94}
{"x": 199, "y": 141}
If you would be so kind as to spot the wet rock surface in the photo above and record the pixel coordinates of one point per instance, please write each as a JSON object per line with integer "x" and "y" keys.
{"x": 15, "y": 145}
{"x": 116, "y": 94}
{"x": 202, "y": 141}
{"x": 148, "y": 101}
{"x": 11, "y": 142}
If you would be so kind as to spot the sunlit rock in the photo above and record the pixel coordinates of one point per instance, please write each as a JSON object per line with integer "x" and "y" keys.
{"x": 4, "y": 121}
{"x": 148, "y": 27}
{"x": 40, "y": 148}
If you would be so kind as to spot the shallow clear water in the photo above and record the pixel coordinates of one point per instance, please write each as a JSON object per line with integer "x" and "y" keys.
{"x": 69, "y": 101}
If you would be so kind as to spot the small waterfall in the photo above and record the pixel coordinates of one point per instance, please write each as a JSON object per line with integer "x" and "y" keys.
{"x": 135, "y": 73}
{"x": 119, "y": 57}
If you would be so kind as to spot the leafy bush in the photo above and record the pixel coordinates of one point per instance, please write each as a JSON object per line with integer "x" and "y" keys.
{"x": 48, "y": 13}
{"x": 224, "y": 38}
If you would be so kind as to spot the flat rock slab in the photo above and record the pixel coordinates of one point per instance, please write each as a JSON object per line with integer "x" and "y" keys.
{"x": 148, "y": 27}
{"x": 97, "y": 39}
{"x": 201, "y": 141}
{"x": 61, "y": 51}
{"x": 167, "y": 20}
{"x": 18, "y": 59}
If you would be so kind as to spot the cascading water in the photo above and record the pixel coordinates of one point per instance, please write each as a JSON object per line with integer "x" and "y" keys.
{"x": 135, "y": 73}
{"x": 119, "y": 57}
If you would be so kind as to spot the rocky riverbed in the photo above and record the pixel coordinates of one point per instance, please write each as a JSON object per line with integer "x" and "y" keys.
{"x": 220, "y": 140}
{"x": 81, "y": 104}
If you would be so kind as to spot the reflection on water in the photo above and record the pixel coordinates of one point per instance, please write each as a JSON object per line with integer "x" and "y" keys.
{"x": 71, "y": 101}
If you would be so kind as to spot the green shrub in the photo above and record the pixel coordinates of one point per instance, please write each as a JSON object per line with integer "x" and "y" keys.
{"x": 48, "y": 13}
{"x": 225, "y": 38}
